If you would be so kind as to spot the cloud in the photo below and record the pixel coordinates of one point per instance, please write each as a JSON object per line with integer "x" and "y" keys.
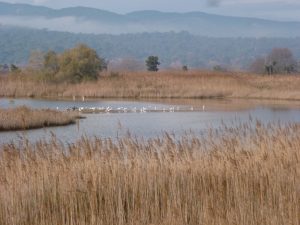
{"x": 213, "y": 3}
{"x": 77, "y": 25}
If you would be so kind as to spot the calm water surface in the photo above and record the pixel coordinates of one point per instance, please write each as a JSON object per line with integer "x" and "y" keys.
{"x": 151, "y": 124}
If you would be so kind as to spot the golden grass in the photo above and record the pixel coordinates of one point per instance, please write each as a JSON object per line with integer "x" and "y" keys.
{"x": 164, "y": 84}
{"x": 23, "y": 118}
{"x": 248, "y": 175}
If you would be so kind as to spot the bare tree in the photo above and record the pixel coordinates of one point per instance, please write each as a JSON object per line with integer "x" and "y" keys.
{"x": 281, "y": 60}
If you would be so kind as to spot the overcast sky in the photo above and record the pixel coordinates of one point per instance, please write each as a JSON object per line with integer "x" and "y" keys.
{"x": 269, "y": 9}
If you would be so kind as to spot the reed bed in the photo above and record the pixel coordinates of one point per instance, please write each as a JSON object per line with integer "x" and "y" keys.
{"x": 164, "y": 84}
{"x": 246, "y": 175}
{"x": 23, "y": 118}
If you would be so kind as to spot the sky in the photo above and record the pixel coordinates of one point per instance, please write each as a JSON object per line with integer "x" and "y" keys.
{"x": 268, "y": 9}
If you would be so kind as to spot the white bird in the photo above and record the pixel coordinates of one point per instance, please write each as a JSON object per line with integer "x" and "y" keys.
{"x": 192, "y": 108}
{"x": 83, "y": 98}
{"x": 108, "y": 109}
{"x": 203, "y": 107}
{"x": 134, "y": 109}
{"x": 143, "y": 110}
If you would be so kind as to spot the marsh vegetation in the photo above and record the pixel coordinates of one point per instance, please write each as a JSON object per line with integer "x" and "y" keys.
{"x": 24, "y": 118}
{"x": 164, "y": 84}
{"x": 243, "y": 175}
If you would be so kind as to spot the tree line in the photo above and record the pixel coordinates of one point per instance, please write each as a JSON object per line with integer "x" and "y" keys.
{"x": 74, "y": 65}
{"x": 83, "y": 63}
{"x": 278, "y": 61}
{"x": 173, "y": 49}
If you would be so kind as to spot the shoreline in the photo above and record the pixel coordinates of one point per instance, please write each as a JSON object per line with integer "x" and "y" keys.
{"x": 95, "y": 105}
{"x": 93, "y": 98}
{"x": 38, "y": 127}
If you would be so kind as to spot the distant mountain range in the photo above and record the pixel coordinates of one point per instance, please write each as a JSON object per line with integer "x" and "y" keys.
{"x": 90, "y": 20}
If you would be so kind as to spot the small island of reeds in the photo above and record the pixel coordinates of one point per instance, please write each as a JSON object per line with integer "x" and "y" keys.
{"x": 24, "y": 118}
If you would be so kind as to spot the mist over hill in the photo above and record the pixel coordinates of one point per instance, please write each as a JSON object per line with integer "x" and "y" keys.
{"x": 90, "y": 20}
{"x": 16, "y": 44}
{"x": 196, "y": 39}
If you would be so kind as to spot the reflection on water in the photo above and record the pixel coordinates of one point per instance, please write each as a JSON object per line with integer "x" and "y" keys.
{"x": 148, "y": 125}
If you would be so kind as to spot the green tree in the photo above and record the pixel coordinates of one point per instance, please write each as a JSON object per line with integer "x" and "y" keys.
{"x": 80, "y": 63}
{"x": 14, "y": 69}
{"x": 152, "y": 63}
{"x": 219, "y": 68}
{"x": 51, "y": 63}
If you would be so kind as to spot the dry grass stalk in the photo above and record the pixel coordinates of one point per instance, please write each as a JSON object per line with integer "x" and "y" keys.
{"x": 245, "y": 175}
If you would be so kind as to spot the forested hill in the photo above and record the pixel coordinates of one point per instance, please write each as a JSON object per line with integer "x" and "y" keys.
{"x": 195, "y": 51}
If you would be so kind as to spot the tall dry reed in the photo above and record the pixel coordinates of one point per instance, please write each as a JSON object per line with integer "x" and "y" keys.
{"x": 165, "y": 84}
{"x": 248, "y": 175}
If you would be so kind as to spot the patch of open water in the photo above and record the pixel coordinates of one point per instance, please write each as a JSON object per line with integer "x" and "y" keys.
{"x": 151, "y": 124}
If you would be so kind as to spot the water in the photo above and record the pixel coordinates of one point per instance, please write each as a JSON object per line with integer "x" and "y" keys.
{"x": 151, "y": 124}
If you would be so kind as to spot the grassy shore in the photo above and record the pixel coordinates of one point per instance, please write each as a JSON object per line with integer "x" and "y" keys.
{"x": 244, "y": 175}
{"x": 23, "y": 118}
{"x": 165, "y": 84}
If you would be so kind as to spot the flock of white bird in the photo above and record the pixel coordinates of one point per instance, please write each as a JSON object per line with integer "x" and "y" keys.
{"x": 109, "y": 109}
{"x": 143, "y": 109}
